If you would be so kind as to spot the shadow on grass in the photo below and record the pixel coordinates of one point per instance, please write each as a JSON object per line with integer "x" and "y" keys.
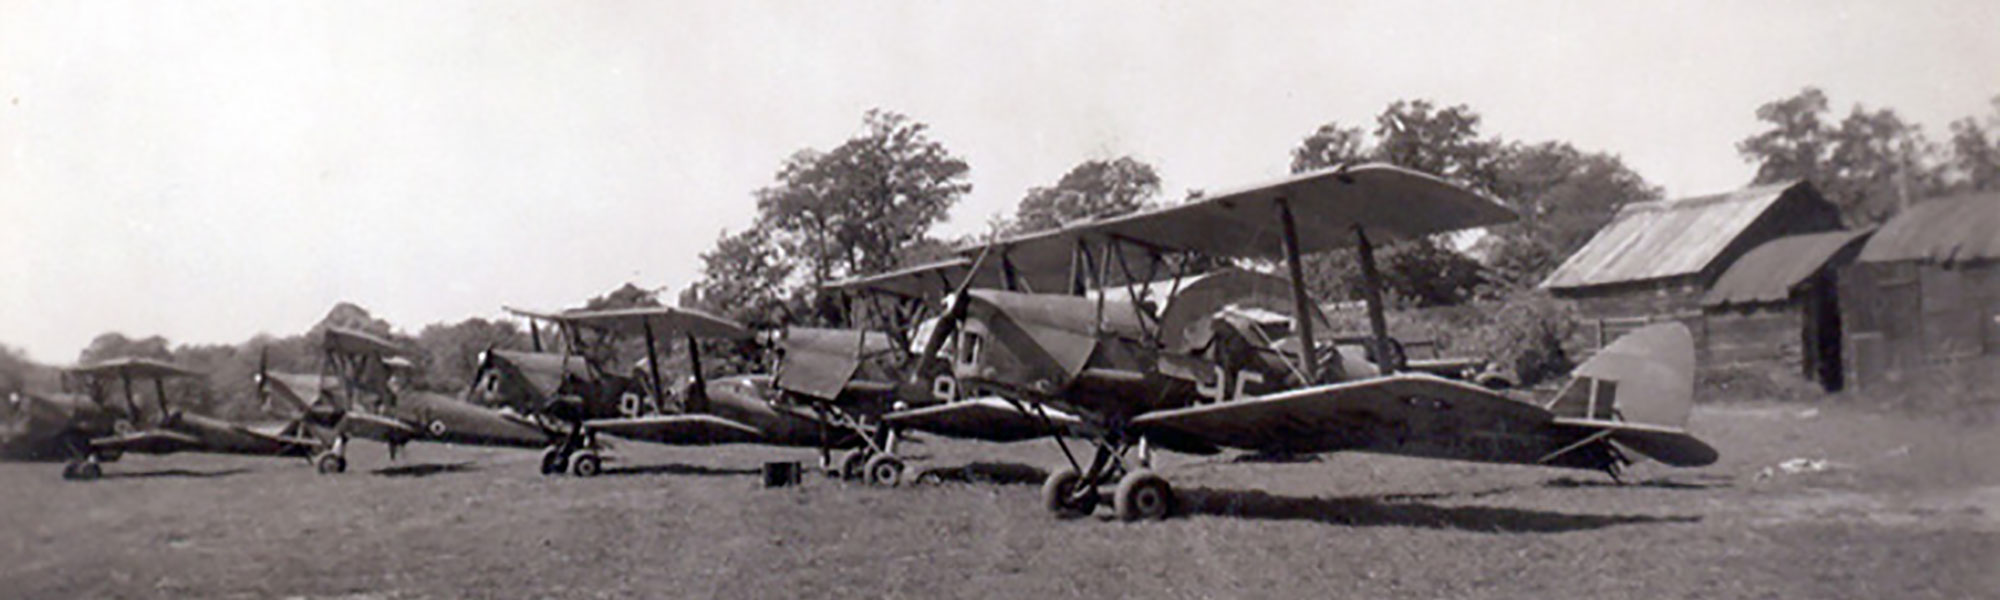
{"x": 1276, "y": 458}
{"x": 1708, "y": 483}
{"x": 182, "y": 473}
{"x": 677, "y": 469}
{"x": 425, "y": 469}
{"x": 1380, "y": 511}
{"x": 986, "y": 472}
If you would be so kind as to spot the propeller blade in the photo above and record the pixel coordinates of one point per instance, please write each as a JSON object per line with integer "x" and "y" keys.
{"x": 264, "y": 377}
{"x": 954, "y": 310}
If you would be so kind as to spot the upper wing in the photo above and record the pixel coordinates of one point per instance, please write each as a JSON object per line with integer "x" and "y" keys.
{"x": 355, "y": 341}
{"x": 661, "y": 320}
{"x": 821, "y": 362}
{"x": 136, "y": 368}
{"x": 1414, "y": 413}
{"x": 151, "y": 441}
{"x": 985, "y": 418}
{"x": 1391, "y": 203}
{"x": 680, "y": 430}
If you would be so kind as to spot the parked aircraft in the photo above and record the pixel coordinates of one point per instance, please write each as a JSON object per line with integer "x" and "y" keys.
{"x": 1252, "y": 374}
{"x": 59, "y": 426}
{"x": 579, "y": 388}
{"x": 357, "y": 393}
{"x": 174, "y": 430}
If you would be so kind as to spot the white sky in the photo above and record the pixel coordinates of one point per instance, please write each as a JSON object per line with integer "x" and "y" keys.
{"x": 211, "y": 170}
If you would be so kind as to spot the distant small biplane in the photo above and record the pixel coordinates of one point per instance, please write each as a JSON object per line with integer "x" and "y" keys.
{"x": 173, "y": 430}
{"x": 356, "y": 394}
{"x": 579, "y": 388}
{"x": 1250, "y": 366}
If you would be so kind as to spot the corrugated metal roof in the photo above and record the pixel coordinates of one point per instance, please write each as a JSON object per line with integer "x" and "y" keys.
{"x": 1768, "y": 273}
{"x": 1947, "y": 230}
{"x": 1666, "y": 238}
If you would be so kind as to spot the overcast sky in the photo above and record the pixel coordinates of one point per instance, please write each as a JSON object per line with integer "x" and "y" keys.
{"x": 208, "y": 171}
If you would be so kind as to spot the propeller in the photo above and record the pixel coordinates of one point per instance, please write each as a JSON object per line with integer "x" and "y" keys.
{"x": 263, "y": 378}
{"x": 954, "y": 311}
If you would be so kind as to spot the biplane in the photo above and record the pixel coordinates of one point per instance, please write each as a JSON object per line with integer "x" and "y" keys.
{"x": 51, "y": 427}
{"x": 906, "y": 302}
{"x": 581, "y": 389}
{"x": 357, "y": 393}
{"x": 1253, "y": 366}
{"x": 173, "y": 430}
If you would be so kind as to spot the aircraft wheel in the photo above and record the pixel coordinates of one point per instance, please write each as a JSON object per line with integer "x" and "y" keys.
{"x": 853, "y": 465}
{"x": 1143, "y": 495}
{"x": 554, "y": 462}
{"x": 586, "y": 464}
{"x": 330, "y": 464}
{"x": 88, "y": 471}
{"x": 1059, "y": 494}
{"x": 885, "y": 470}
{"x": 930, "y": 478}
{"x": 70, "y": 470}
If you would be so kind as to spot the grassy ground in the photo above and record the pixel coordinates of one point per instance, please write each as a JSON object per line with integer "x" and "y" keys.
{"x": 1895, "y": 506}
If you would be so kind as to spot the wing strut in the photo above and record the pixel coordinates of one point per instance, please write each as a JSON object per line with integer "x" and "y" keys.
{"x": 1371, "y": 290}
{"x": 653, "y": 362}
{"x": 1304, "y": 309}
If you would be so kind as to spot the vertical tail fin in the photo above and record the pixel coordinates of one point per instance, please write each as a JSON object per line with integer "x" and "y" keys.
{"x": 1646, "y": 376}
{"x": 1641, "y": 387}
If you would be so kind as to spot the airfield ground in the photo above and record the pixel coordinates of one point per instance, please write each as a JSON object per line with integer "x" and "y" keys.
{"x": 1880, "y": 506}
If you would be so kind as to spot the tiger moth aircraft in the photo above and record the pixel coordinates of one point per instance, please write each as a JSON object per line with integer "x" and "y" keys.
{"x": 174, "y": 430}
{"x": 357, "y": 393}
{"x": 894, "y": 300}
{"x": 1252, "y": 376}
{"x": 578, "y": 389}
{"x": 58, "y": 426}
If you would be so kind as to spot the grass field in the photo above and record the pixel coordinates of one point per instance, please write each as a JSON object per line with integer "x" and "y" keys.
{"x": 1903, "y": 507}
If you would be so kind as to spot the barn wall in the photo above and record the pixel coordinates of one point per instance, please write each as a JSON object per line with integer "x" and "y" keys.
{"x": 1761, "y": 335}
{"x": 1906, "y": 316}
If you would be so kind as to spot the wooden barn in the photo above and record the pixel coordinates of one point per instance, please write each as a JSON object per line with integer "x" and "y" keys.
{"x": 1779, "y": 306}
{"x": 1656, "y": 260}
{"x": 1924, "y": 291}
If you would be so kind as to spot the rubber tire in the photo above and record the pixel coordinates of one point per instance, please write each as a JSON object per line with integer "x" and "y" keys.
{"x": 70, "y": 471}
{"x": 885, "y": 470}
{"x": 1056, "y": 492}
{"x": 930, "y": 478}
{"x": 1143, "y": 495}
{"x": 88, "y": 471}
{"x": 554, "y": 462}
{"x": 854, "y": 465}
{"x": 586, "y": 464}
{"x": 330, "y": 464}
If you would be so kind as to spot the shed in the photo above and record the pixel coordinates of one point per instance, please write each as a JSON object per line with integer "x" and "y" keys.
{"x": 1778, "y": 305}
{"x": 1655, "y": 260}
{"x": 1925, "y": 290}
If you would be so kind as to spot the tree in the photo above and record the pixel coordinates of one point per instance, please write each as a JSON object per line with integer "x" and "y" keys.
{"x": 110, "y": 345}
{"x": 1095, "y": 188}
{"x": 1869, "y": 164}
{"x": 1563, "y": 196}
{"x": 849, "y": 210}
{"x": 1442, "y": 142}
{"x": 626, "y": 296}
{"x": 1331, "y": 144}
{"x": 1975, "y": 151}
{"x": 743, "y": 278}
{"x": 449, "y": 354}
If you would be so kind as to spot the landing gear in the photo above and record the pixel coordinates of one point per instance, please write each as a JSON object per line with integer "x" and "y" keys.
{"x": 330, "y": 463}
{"x": 1062, "y": 494}
{"x": 586, "y": 464}
{"x": 334, "y": 460}
{"x": 885, "y": 470}
{"x": 853, "y": 464}
{"x": 1140, "y": 494}
{"x": 84, "y": 470}
{"x": 555, "y": 461}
